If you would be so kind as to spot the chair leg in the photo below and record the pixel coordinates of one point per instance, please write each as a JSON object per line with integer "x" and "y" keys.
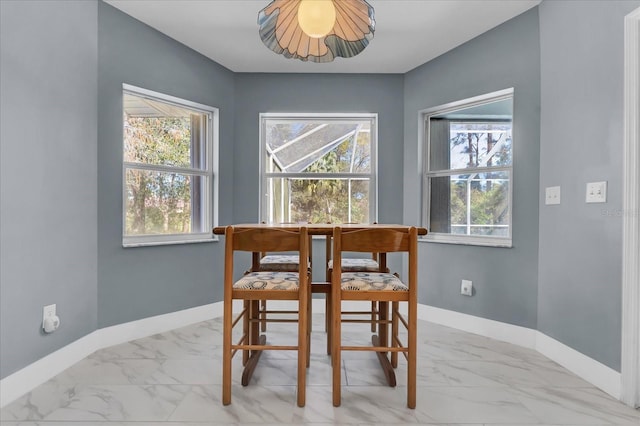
{"x": 328, "y": 321}
{"x": 394, "y": 332}
{"x": 374, "y": 311}
{"x": 327, "y": 316}
{"x": 226, "y": 353}
{"x": 246, "y": 330}
{"x": 254, "y": 325}
{"x": 327, "y": 302}
{"x": 263, "y": 315}
{"x": 303, "y": 349}
{"x": 412, "y": 355}
{"x": 335, "y": 351}
{"x": 383, "y": 326}
{"x": 309, "y": 324}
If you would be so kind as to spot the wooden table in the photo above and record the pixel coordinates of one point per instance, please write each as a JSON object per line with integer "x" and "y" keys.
{"x": 325, "y": 229}
{"x": 319, "y": 228}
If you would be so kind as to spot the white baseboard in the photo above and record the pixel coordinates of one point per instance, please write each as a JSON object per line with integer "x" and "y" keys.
{"x": 594, "y": 372}
{"x": 33, "y": 375}
{"x": 22, "y": 381}
{"x": 509, "y": 333}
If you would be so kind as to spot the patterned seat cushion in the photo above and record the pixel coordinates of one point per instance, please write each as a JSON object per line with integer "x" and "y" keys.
{"x": 280, "y": 262}
{"x": 287, "y": 281}
{"x": 371, "y": 281}
{"x": 353, "y": 265}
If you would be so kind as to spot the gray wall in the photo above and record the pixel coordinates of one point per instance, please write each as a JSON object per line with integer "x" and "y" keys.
{"x": 505, "y": 279}
{"x": 379, "y": 93}
{"x": 60, "y": 240}
{"x": 140, "y": 282}
{"x": 579, "y": 300}
{"x": 48, "y": 225}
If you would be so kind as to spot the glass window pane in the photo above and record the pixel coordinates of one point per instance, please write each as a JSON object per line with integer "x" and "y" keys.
{"x": 442, "y": 209}
{"x": 479, "y": 144}
{"x": 471, "y": 137}
{"x": 318, "y": 200}
{"x": 471, "y": 204}
{"x": 312, "y": 146}
{"x": 490, "y": 204}
{"x": 162, "y": 134}
{"x": 161, "y": 203}
{"x": 359, "y": 207}
{"x": 302, "y": 149}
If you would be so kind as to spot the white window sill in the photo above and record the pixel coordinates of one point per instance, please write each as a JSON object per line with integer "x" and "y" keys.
{"x": 163, "y": 240}
{"x": 469, "y": 240}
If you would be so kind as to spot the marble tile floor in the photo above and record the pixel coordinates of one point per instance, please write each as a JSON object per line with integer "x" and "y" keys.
{"x": 174, "y": 379}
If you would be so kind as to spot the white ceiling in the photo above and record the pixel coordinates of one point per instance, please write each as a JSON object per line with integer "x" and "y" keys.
{"x": 408, "y": 33}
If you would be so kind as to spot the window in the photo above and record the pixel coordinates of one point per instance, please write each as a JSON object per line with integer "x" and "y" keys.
{"x": 468, "y": 170}
{"x": 168, "y": 169}
{"x": 318, "y": 168}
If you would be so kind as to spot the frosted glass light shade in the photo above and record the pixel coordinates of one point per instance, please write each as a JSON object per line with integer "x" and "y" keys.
{"x": 316, "y": 17}
{"x": 280, "y": 30}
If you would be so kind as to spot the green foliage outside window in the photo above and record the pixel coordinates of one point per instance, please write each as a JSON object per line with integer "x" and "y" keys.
{"x": 306, "y": 198}
{"x": 158, "y": 202}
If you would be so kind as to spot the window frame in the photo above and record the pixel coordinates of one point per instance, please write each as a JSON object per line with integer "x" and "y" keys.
{"x": 427, "y": 174}
{"x": 263, "y": 206}
{"x": 209, "y": 174}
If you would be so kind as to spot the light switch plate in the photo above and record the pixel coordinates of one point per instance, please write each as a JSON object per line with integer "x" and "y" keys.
{"x": 596, "y": 192}
{"x": 552, "y": 195}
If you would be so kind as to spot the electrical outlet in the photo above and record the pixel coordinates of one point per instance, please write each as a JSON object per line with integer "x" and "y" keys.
{"x": 48, "y": 311}
{"x": 466, "y": 288}
{"x": 552, "y": 195}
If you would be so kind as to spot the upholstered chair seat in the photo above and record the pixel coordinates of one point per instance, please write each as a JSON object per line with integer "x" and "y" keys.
{"x": 354, "y": 265}
{"x": 279, "y": 262}
{"x": 268, "y": 281}
{"x": 371, "y": 281}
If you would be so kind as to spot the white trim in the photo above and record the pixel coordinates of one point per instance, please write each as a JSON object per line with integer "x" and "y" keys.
{"x": 581, "y": 365}
{"x": 509, "y": 333}
{"x": 265, "y": 208}
{"x": 594, "y": 372}
{"x": 469, "y": 240}
{"x": 163, "y": 97}
{"x": 33, "y": 375}
{"x": 469, "y": 102}
{"x": 167, "y": 239}
{"x": 630, "y": 350}
{"x": 210, "y": 174}
{"x": 424, "y": 142}
{"x": 128, "y": 331}
{"x": 23, "y": 381}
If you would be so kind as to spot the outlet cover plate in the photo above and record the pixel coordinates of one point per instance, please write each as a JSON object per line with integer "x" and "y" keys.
{"x": 48, "y": 311}
{"x": 596, "y": 192}
{"x": 552, "y": 195}
{"x": 466, "y": 288}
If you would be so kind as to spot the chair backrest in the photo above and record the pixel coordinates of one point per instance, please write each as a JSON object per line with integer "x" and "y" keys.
{"x": 381, "y": 241}
{"x": 263, "y": 240}
{"x": 375, "y": 256}
{"x": 376, "y": 240}
{"x": 264, "y": 252}
{"x": 266, "y": 239}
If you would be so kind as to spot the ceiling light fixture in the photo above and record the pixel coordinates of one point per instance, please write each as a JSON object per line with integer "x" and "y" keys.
{"x": 317, "y": 30}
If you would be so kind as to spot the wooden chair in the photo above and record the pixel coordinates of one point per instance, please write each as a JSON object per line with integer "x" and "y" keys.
{"x": 255, "y": 286}
{"x": 349, "y": 264}
{"x": 380, "y": 287}
{"x": 277, "y": 263}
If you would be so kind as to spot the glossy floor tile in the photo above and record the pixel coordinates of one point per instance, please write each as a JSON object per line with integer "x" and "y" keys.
{"x": 174, "y": 379}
